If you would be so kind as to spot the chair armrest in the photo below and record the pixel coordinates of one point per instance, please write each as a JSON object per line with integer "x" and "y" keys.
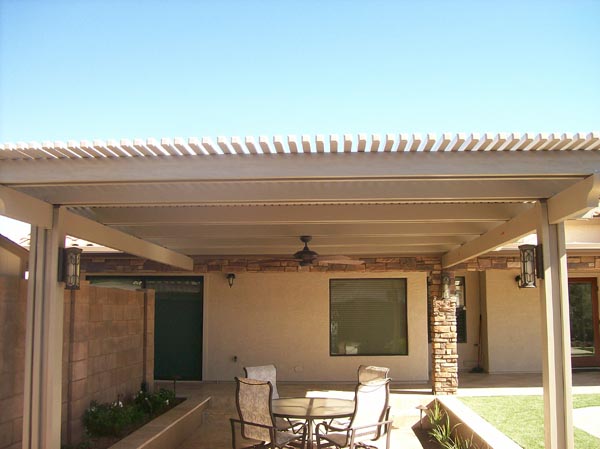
{"x": 297, "y": 426}
{"x": 375, "y": 424}
{"x": 371, "y": 434}
{"x": 250, "y": 423}
{"x": 329, "y": 428}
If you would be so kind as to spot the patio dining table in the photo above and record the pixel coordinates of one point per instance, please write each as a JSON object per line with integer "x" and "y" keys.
{"x": 311, "y": 409}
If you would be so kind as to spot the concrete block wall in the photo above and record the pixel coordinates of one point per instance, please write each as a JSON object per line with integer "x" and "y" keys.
{"x": 13, "y": 303}
{"x": 108, "y": 350}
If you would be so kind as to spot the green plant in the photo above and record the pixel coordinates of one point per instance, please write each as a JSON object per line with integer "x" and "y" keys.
{"x": 85, "y": 444}
{"x": 116, "y": 418}
{"x": 436, "y": 414}
{"x": 464, "y": 443}
{"x": 444, "y": 433}
{"x": 154, "y": 403}
{"x": 110, "y": 419}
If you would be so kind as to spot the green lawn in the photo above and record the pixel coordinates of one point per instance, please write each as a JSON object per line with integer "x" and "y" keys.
{"x": 521, "y": 418}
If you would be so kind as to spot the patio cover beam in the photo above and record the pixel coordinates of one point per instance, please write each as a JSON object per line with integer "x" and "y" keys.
{"x": 575, "y": 201}
{"x": 84, "y": 228}
{"x": 25, "y": 208}
{"x": 22, "y": 207}
{"x": 342, "y": 230}
{"x": 289, "y": 166}
{"x": 318, "y": 214}
{"x": 523, "y": 224}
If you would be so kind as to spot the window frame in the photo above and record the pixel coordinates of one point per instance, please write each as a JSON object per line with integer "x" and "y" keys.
{"x": 405, "y": 315}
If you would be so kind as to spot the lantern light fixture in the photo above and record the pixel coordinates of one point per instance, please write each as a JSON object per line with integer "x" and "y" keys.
{"x": 69, "y": 267}
{"x": 531, "y": 266}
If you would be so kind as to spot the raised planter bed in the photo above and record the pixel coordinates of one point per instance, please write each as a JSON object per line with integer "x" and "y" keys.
{"x": 485, "y": 436}
{"x": 168, "y": 430}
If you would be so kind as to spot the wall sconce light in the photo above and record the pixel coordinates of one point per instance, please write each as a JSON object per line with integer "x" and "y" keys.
{"x": 459, "y": 292}
{"x": 69, "y": 267}
{"x": 531, "y": 266}
{"x": 230, "y": 279}
{"x": 445, "y": 286}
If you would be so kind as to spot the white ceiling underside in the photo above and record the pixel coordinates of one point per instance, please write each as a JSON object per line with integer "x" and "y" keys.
{"x": 357, "y": 196}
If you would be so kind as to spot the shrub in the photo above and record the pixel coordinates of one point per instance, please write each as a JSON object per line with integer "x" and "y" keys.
{"x": 444, "y": 433}
{"x": 114, "y": 419}
{"x": 85, "y": 444}
{"x": 154, "y": 403}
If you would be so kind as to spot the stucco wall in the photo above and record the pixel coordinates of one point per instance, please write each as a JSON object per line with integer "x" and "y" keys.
{"x": 513, "y": 324}
{"x": 283, "y": 318}
{"x": 467, "y": 352}
{"x": 10, "y": 264}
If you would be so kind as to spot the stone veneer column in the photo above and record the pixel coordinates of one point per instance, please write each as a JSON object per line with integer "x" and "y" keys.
{"x": 444, "y": 336}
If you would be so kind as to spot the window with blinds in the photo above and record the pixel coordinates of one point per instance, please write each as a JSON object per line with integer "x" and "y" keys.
{"x": 368, "y": 317}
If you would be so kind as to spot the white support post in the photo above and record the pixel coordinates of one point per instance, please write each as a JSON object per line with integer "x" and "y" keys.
{"x": 554, "y": 296}
{"x": 44, "y": 339}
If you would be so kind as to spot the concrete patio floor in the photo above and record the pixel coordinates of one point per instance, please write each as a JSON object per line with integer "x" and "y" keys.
{"x": 215, "y": 432}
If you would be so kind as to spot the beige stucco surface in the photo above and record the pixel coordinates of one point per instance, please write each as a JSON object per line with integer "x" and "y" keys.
{"x": 283, "y": 318}
{"x": 513, "y": 324}
{"x": 467, "y": 352}
{"x": 10, "y": 264}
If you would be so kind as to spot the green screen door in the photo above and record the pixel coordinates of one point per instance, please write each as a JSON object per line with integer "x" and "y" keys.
{"x": 177, "y": 327}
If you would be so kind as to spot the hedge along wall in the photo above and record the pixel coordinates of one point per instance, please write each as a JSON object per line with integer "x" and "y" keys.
{"x": 108, "y": 350}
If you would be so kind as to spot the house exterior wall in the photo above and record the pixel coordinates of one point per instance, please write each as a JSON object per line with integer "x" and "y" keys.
{"x": 283, "y": 318}
{"x": 513, "y": 320}
{"x": 468, "y": 351}
{"x": 10, "y": 264}
{"x": 513, "y": 317}
{"x": 294, "y": 302}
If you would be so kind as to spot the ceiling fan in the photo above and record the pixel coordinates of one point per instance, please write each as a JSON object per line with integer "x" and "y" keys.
{"x": 307, "y": 257}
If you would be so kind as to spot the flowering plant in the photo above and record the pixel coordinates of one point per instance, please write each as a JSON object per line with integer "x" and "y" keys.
{"x": 116, "y": 418}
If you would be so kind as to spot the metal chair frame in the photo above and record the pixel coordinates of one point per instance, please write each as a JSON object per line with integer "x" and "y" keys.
{"x": 372, "y": 431}
{"x": 270, "y": 427}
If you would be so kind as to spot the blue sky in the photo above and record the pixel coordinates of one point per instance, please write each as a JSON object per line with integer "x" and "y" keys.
{"x": 126, "y": 69}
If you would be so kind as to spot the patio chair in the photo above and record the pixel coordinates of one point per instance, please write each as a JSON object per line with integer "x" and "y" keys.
{"x": 269, "y": 373}
{"x": 263, "y": 372}
{"x": 368, "y": 424}
{"x": 368, "y": 373}
{"x": 255, "y": 427}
